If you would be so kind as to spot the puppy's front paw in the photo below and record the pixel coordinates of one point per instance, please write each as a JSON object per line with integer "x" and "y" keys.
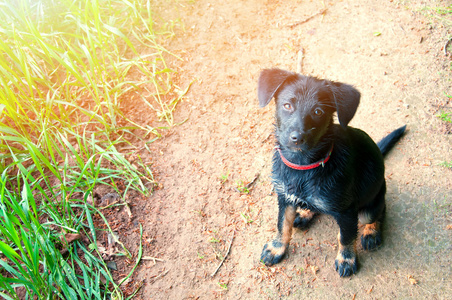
{"x": 346, "y": 263}
{"x": 273, "y": 253}
{"x": 371, "y": 238}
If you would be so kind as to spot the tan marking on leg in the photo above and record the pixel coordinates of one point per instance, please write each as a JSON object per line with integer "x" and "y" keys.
{"x": 305, "y": 213}
{"x": 341, "y": 259}
{"x": 276, "y": 251}
{"x": 371, "y": 229}
{"x": 345, "y": 248}
{"x": 289, "y": 217}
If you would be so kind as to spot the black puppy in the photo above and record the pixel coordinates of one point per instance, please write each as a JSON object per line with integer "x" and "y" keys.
{"x": 322, "y": 167}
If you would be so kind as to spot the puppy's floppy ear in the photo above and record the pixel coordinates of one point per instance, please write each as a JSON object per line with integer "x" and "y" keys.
{"x": 346, "y": 98}
{"x": 269, "y": 82}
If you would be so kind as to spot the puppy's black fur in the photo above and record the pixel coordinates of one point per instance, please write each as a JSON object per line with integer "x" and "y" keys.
{"x": 349, "y": 186}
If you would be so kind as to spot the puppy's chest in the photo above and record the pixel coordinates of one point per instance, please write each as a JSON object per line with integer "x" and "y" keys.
{"x": 304, "y": 196}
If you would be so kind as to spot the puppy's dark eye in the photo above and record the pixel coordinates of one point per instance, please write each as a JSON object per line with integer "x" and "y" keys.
{"x": 318, "y": 112}
{"x": 288, "y": 106}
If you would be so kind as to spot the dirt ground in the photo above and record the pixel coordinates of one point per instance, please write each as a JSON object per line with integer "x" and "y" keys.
{"x": 393, "y": 52}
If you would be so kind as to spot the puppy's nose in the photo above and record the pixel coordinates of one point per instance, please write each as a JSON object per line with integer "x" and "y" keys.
{"x": 295, "y": 137}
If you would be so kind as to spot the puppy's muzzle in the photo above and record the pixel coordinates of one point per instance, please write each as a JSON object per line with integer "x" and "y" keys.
{"x": 296, "y": 137}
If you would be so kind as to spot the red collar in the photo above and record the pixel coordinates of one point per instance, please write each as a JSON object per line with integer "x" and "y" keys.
{"x": 305, "y": 167}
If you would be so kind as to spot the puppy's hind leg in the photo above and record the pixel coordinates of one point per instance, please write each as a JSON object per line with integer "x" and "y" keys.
{"x": 372, "y": 218}
{"x": 275, "y": 251}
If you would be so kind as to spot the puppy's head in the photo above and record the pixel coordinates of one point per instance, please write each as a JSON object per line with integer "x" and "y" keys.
{"x": 305, "y": 106}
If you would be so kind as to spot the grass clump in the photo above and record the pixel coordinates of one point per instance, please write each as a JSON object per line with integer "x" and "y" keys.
{"x": 439, "y": 13}
{"x": 35, "y": 266}
{"x": 68, "y": 71}
{"x": 446, "y": 164}
{"x": 445, "y": 116}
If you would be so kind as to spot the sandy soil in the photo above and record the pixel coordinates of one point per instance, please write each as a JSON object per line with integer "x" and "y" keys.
{"x": 392, "y": 51}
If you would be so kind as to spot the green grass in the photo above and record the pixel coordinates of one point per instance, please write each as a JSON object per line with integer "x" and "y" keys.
{"x": 69, "y": 69}
{"x": 439, "y": 14}
{"x": 446, "y": 117}
{"x": 224, "y": 178}
{"x": 34, "y": 261}
{"x": 223, "y": 286}
{"x": 446, "y": 164}
{"x": 246, "y": 218}
{"x": 242, "y": 188}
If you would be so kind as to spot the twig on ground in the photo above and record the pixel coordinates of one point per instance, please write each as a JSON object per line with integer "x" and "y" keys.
{"x": 111, "y": 205}
{"x": 129, "y": 212}
{"x": 300, "y": 61}
{"x": 160, "y": 275}
{"x": 236, "y": 189}
{"x": 226, "y": 255}
{"x": 320, "y": 12}
{"x": 268, "y": 137}
{"x": 151, "y": 258}
{"x": 445, "y": 46}
{"x": 249, "y": 185}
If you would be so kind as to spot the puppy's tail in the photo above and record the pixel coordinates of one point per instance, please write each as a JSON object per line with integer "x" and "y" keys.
{"x": 389, "y": 141}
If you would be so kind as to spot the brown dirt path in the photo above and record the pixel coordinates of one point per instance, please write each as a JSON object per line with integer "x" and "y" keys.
{"x": 402, "y": 74}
